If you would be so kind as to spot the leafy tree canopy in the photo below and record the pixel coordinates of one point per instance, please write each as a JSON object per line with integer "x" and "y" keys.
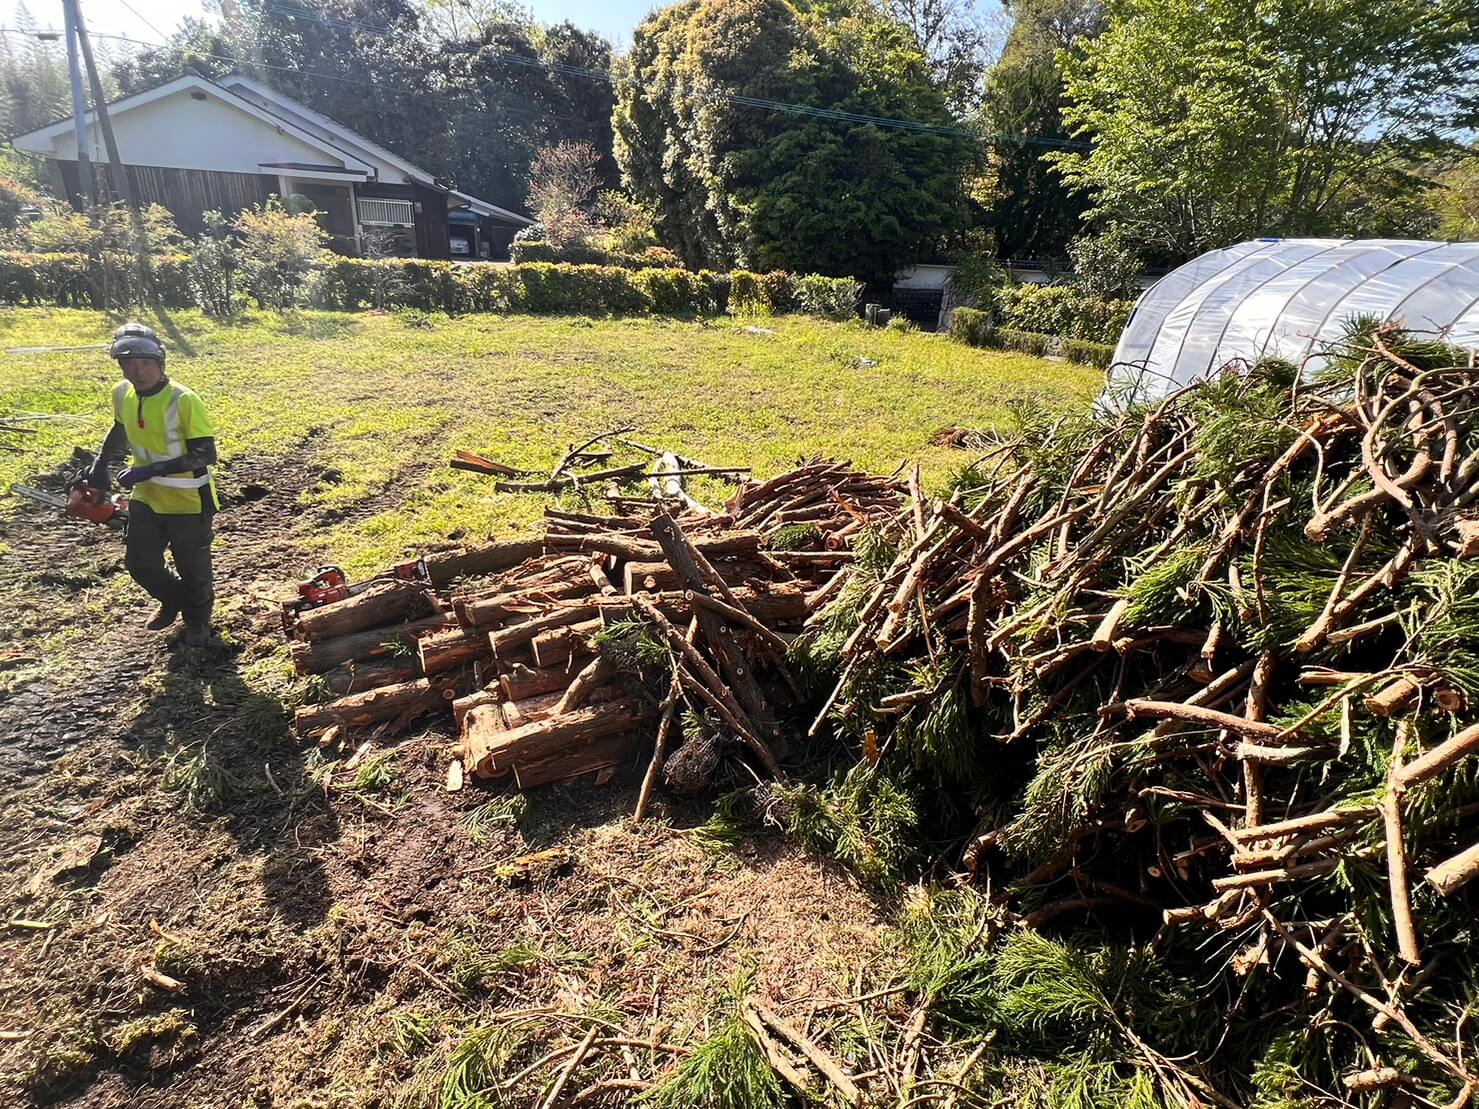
{"x": 1218, "y": 120}
{"x": 1030, "y": 211}
{"x": 736, "y": 183}
{"x": 470, "y": 92}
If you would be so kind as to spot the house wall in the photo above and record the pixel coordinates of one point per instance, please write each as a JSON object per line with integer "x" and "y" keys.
{"x": 187, "y": 193}
{"x": 432, "y": 240}
{"x": 208, "y": 134}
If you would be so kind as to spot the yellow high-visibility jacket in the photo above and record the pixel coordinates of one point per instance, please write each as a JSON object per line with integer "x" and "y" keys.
{"x": 158, "y": 427}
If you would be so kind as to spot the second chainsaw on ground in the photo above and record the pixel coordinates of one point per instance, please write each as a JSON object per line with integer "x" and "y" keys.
{"x": 330, "y": 583}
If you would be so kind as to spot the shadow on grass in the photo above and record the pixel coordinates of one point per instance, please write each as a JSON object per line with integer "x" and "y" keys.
{"x": 225, "y": 751}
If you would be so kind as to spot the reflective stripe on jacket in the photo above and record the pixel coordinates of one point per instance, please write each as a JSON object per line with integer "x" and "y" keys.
{"x": 158, "y": 427}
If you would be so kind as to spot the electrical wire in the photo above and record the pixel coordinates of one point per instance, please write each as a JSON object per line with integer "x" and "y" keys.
{"x": 567, "y": 70}
{"x": 410, "y": 94}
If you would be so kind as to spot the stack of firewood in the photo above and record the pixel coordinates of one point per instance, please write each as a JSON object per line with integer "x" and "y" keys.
{"x": 507, "y": 639}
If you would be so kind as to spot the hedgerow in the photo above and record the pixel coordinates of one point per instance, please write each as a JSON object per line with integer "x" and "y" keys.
{"x": 353, "y": 284}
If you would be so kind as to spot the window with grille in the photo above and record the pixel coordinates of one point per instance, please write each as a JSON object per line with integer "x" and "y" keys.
{"x": 386, "y": 213}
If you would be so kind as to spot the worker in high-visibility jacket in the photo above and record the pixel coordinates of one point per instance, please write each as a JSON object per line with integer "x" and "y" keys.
{"x": 172, "y": 497}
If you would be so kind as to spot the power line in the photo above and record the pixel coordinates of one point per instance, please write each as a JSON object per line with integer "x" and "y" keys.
{"x": 837, "y": 115}
{"x": 134, "y": 11}
{"x": 565, "y": 69}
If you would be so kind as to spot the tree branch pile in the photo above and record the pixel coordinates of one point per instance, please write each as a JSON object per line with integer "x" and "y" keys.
{"x": 554, "y": 655}
{"x": 1210, "y": 666}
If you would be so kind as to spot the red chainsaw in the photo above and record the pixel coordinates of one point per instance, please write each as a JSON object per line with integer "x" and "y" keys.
{"x": 330, "y": 583}
{"x": 82, "y": 501}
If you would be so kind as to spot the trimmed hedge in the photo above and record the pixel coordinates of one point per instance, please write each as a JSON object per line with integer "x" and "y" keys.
{"x": 1063, "y": 311}
{"x": 581, "y": 254}
{"x": 90, "y": 281}
{"x": 971, "y": 326}
{"x": 1086, "y": 353}
{"x": 975, "y": 328}
{"x": 352, "y": 284}
{"x": 1023, "y": 342}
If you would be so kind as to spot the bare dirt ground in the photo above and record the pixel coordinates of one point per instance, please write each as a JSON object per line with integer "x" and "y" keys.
{"x": 198, "y": 911}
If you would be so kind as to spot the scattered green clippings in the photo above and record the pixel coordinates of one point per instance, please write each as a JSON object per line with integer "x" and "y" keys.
{"x": 375, "y": 774}
{"x": 500, "y": 812}
{"x": 727, "y": 1070}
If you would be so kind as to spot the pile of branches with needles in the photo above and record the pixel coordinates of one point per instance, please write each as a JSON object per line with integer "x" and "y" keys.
{"x": 1200, "y": 673}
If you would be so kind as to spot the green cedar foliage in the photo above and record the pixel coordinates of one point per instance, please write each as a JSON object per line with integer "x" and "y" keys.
{"x": 735, "y": 184}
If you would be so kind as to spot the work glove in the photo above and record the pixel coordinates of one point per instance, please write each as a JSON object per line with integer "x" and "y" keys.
{"x": 97, "y": 477}
{"x": 135, "y": 474}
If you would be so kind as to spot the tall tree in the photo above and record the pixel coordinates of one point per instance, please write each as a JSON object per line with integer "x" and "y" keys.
{"x": 1031, "y": 211}
{"x": 1217, "y": 120}
{"x": 958, "y": 41}
{"x": 33, "y": 78}
{"x": 704, "y": 135}
{"x": 515, "y": 88}
{"x": 195, "y": 47}
{"x": 1456, "y": 203}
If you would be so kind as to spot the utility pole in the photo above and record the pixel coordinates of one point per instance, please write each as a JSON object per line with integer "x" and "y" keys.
{"x": 122, "y": 186}
{"x": 117, "y": 172}
{"x": 87, "y": 184}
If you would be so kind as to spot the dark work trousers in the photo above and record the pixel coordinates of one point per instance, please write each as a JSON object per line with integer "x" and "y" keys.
{"x": 188, "y": 538}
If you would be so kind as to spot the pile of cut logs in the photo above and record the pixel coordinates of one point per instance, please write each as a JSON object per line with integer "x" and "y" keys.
{"x": 507, "y": 638}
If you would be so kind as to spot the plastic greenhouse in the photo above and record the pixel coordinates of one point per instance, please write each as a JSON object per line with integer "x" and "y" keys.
{"x": 1286, "y": 298}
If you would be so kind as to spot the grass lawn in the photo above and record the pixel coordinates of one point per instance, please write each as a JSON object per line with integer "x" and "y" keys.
{"x": 204, "y": 911}
{"x": 379, "y": 403}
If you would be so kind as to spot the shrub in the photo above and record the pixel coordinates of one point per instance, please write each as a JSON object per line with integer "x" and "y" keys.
{"x": 676, "y": 292}
{"x": 833, "y": 298}
{"x": 589, "y": 254}
{"x": 1063, "y": 311}
{"x": 971, "y": 326}
{"x": 1105, "y": 265}
{"x": 51, "y": 279}
{"x": 978, "y": 277}
{"x": 654, "y": 257}
{"x": 1086, "y": 353}
{"x": 212, "y": 267}
{"x": 1024, "y": 342}
{"x": 18, "y": 203}
{"x": 747, "y": 295}
{"x": 562, "y": 185}
{"x": 578, "y": 252}
{"x": 278, "y": 251}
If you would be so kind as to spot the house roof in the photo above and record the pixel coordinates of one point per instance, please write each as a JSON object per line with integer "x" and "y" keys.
{"x": 355, "y": 154}
{"x": 43, "y": 139}
{"x": 484, "y": 208}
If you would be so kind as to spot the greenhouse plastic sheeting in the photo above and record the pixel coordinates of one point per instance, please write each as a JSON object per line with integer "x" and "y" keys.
{"x": 1287, "y": 298}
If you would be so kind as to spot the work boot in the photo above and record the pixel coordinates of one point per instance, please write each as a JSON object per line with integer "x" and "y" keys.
{"x": 166, "y": 616}
{"x": 197, "y": 635}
